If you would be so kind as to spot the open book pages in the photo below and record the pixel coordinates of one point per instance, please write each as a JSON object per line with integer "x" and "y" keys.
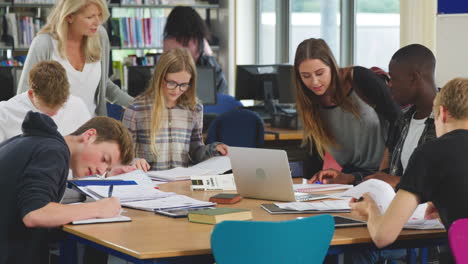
{"x": 138, "y": 176}
{"x": 173, "y": 201}
{"x": 128, "y": 193}
{"x": 326, "y": 205}
{"x": 306, "y": 188}
{"x": 215, "y": 165}
{"x": 177, "y": 174}
{"x": 383, "y": 194}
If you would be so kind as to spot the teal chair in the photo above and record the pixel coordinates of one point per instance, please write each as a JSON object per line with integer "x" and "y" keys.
{"x": 303, "y": 240}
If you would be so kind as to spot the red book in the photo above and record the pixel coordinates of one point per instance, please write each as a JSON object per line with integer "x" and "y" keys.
{"x": 225, "y": 198}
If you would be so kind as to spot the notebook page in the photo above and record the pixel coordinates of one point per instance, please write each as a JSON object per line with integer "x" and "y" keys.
{"x": 128, "y": 193}
{"x": 218, "y": 165}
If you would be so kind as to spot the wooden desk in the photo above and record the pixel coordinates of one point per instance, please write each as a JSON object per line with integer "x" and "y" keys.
{"x": 151, "y": 236}
{"x": 282, "y": 133}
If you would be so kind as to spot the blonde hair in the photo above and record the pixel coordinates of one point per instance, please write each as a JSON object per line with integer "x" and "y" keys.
{"x": 172, "y": 61}
{"x": 454, "y": 96}
{"x": 57, "y": 27}
{"x": 316, "y": 130}
{"x": 48, "y": 80}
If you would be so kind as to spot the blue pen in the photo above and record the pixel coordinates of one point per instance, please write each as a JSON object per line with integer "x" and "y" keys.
{"x": 317, "y": 182}
{"x": 111, "y": 188}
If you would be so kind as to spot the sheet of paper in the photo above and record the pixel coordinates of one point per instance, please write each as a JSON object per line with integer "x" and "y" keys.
{"x": 320, "y": 187}
{"x": 321, "y": 205}
{"x": 178, "y": 174}
{"x": 120, "y": 218}
{"x": 139, "y": 176}
{"x": 380, "y": 191}
{"x": 128, "y": 193}
{"x": 174, "y": 201}
{"x": 218, "y": 165}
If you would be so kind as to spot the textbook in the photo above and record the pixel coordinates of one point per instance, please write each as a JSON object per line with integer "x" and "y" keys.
{"x": 216, "y": 215}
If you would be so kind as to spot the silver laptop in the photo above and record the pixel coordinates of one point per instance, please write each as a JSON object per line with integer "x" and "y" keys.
{"x": 265, "y": 174}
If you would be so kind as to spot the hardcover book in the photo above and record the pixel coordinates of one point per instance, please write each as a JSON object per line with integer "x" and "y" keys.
{"x": 216, "y": 215}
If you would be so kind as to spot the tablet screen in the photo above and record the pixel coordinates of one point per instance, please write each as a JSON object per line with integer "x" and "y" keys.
{"x": 341, "y": 221}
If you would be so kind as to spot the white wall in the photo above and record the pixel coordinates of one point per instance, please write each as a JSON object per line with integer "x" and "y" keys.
{"x": 451, "y": 47}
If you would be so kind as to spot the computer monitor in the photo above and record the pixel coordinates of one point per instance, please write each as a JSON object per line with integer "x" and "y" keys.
{"x": 264, "y": 82}
{"x": 206, "y": 85}
{"x": 138, "y": 78}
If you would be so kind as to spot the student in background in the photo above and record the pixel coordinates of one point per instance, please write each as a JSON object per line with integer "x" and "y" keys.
{"x": 36, "y": 166}
{"x": 412, "y": 71}
{"x": 166, "y": 120}
{"x": 74, "y": 37}
{"x": 49, "y": 93}
{"x": 185, "y": 28}
{"x": 436, "y": 172}
{"x": 345, "y": 111}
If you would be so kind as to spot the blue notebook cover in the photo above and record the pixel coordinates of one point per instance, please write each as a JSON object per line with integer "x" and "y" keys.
{"x": 82, "y": 183}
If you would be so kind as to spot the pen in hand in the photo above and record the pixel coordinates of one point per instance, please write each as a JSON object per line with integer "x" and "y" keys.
{"x": 360, "y": 199}
{"x": 111, "y": 189}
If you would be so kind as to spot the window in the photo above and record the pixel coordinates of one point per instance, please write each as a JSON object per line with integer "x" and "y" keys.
{"x": 267, "y": 32}
{"x": 377, "y": 32}
{"x": 315, "y": 19}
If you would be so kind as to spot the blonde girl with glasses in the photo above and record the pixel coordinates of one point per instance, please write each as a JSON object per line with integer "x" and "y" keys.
{"x": 166, "y": 120}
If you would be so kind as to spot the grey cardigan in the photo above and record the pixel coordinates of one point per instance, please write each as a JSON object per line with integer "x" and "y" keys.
{"x": 42, "y": 49}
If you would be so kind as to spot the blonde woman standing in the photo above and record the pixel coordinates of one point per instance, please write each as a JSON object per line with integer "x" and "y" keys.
{"x": 166, "y": 120}
{"x": 74, "y": 37}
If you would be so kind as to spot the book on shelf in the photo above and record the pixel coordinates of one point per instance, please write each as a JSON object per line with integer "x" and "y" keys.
{"x": 216, "y": 215}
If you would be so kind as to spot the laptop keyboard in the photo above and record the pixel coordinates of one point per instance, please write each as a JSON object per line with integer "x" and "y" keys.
{"x": 302, "y": 197}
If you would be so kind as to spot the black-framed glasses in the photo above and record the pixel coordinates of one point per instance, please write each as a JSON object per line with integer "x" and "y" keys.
{"x": 171, "y": 85}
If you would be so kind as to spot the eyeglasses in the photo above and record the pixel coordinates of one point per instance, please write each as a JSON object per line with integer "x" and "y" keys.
{"x": 171, "y": 85}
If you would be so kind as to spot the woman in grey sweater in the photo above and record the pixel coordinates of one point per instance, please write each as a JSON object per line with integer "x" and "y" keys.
{"x": 345, "y": 111}
{"x": 74, "y": 37}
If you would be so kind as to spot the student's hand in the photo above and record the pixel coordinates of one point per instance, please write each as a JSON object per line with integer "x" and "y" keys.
{"x": 141, "y": 164}
{"x": 390, "y": 179}
{"x": 222, "y": 149}
{"x": 362, "y": 206}
{"x": 431, "y": 211}
{"x": 329, "y": 176}
{"x": 120, "y": 170}
{"x": 108, "y": 207}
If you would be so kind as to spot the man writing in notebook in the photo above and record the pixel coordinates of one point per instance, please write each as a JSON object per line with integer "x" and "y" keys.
{"x": 33, "y": 172}
{"x": 436, "y": 172}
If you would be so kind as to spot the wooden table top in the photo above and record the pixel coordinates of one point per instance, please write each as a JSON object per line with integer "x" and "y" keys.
{"x": 151, "y": 236}
{"x": 283, "y": 133}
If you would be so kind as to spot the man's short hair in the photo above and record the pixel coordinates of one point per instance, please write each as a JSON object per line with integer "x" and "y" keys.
{"x": 454, "y": 96}
{"x": 111, "y": 130}
{"x": 48, "y": 80}
{"x": 415, "y": 55}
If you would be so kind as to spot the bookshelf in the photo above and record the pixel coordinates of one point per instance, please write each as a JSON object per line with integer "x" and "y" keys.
{"x": 25, "y": 18}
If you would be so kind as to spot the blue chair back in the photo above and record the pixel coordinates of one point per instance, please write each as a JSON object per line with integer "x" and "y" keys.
{"x": 115, "y": 111}
{"x": 225, "y": 103}
{"x": 296, "y": 241}
{"x": 238, "y": 128}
